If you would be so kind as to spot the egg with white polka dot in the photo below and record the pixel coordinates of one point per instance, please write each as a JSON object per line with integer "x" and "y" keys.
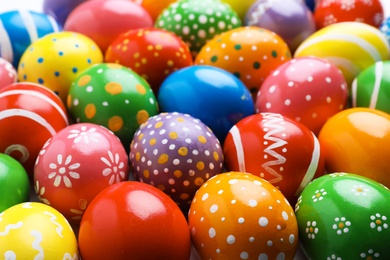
{"x": 8, "y": 73}
{"x": 237, "y": 215}
{"x": 307, "y": 89}
{"x": 56, "y": 60}
{"x": 176, "y": 153}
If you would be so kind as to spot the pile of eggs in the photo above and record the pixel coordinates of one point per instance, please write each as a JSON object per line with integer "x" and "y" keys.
{"x": 195, "y": 129}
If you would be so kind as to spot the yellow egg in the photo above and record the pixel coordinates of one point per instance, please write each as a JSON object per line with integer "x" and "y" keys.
{"x": 241, "y": 7}
{"x": 351, "y": 46}
{"x": 33, "y": 230}
{"x": 56, "y": 60}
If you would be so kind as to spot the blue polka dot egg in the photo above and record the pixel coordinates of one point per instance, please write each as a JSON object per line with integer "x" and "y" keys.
{"x": 20, "y": 28}
{"x": 385, "y": 28}
{"x": 56, "y": 60}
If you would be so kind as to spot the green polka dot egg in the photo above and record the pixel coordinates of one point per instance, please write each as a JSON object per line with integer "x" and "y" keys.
{"x": 113, "y": 96}
{"x": 56, "y": 60}
{"x": 197, "y": 21}
{"x": 344, "y": 216}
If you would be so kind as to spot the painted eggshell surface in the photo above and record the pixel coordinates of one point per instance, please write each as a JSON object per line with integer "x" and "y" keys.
{"x": 8, "y": 74}
{"x": 338, "y": 210}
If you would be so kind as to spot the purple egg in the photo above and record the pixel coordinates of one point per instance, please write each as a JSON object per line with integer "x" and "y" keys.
{"x": 176, "y": 153}
{"x": 290, "y": 19}
{"x": 60, "y": 9}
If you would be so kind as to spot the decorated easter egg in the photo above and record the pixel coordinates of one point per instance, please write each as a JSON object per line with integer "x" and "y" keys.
{"x": 154, "y": 7}
{"x": 385, "y": 28}
{"x": 238, "y": 215}
{"x": 29, "y": 115}
{"x": 311, "y": 4}
{"x": 8, "y": 73}
{"x": 240, "y": 7}
{"x": 338, "y": 210}
{"x": 33, "y": 230}
{"x": 103, "y": 21}
{"x": 329, "y": 12}
{"x": 56, "y": 59}
{"x": 359, "y": 45}
{"x": 114, "y": 96}
{"x": 60, "y": 9}
{"x": 277, "y": 149}
{"x": 306, "y": 89}
{"x": 290, "y": 19}
{"x": 14, "y": 183}
{"x": 20, "y": 28}
{"x": 198, "y": 21}
{"x": 357, "y": 140}
{"x": 250, "y": 53}
{"x": 152, "y": 53}
{"x": 212, "y": 95}
{"x": 144, "y": 223}
{"x": 76, "y": 164}
{"x": 176, "y": 153}
{"x": 371, "y": 88}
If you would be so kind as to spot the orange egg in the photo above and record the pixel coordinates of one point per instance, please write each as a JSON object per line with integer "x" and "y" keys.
{"x": 357, "y": 140}
{"x": 237, "y": 215}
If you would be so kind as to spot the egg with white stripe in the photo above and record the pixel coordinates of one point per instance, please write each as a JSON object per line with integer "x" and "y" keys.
{"x": 276, "y": 148}
{"x": 371, "y": 88}
{"x": 351, "y": 46}
{"x": 20, "y": 28}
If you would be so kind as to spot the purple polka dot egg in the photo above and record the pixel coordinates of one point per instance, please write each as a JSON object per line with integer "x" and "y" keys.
{"x": 176, "y": 153}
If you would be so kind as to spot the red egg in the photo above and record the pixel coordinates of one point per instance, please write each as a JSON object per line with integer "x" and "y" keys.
{"x": 76, "y": 164}
{"x": 306, "y": 89}
{"x": 29, "y": 115}
{"x": 152, "y": 53}
{"x": 104, "y": 20}
{"x": 276, "y": 148}
{"x": 366, "y": 11}
{"x": 8, "y": 73}
{"x": 133, "y": 220}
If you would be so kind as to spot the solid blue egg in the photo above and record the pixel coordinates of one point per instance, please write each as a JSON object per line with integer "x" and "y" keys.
{"x": 20, "y": 28}
{"x": 211, "y": 94}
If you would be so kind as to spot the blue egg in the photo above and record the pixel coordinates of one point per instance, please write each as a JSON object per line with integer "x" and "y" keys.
{"x": 385, "y": 28}
{"x": 211, "y": 94}
{"x": 20, "y": 28}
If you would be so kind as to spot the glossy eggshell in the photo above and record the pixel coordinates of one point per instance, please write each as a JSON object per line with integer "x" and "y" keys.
{"x": 197, "y": 22}
{"x": 290, "y": 19}
{"x": 155, "y": 7}
{"x": 104, "y": 20}
{"x": 250, "y": 53}
{"x": 359, "y": 45}
{"x": 385, "y": 28}
{"x": 8, "y": 74}
{"x": 237, "y": 215}
{"x": 211, "y": 94}
{"x": 307, "y": 89}
{"x": 240, "y": 7}
{"x": 20, "y": 28}
{"x": 56, "y": 60}
{"x": 113, "y": 96}
{"x": 29, "y": 115}
{"x": 60, "y": 9}
{"x": 138, "y": 221}
{"x": 277, "y": 149}
{"x": 176, "y": 153}
{"x": 357, "y": 140}
{"x": 152, "y": 53}
{"x": 371, "y": 88}
{"x": 33, "y": 230}
{"x": 329, "y": 12}
{"x": 338, "y": 210}
{"x": 14, "y": 182}
{"x": 76, "y": 164}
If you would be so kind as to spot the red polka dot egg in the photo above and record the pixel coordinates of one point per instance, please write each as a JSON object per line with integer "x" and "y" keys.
{"x": 8, "y": 73}
{"x": 176, "y": 153}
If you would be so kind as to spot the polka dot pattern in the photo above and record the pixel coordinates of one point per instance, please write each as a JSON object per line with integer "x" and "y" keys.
{"x": 196, "y": 22}
{"x": 249, "y": 219}
{"x": 176, "y": 153}
{"x": 113, "y": 96}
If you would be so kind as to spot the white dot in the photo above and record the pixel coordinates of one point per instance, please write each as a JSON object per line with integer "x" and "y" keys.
{"x": 233, "y": 181}
{"x": 230, "y": 239}
{"x": 276, "y": 73}
{"x": 280, "y": 256}
{"x": 268, "y": 105}
{"x": 263, "y": 221}
{"x": 310, "y": 78}
{"x": 176, "y": 162}
{"x": 241, "y": 220}
{"x": 205, "y": 196}
{"x": 223, "y": 219}
{"x": 254, "y": 47}
{"x": 251, "y": 239}
{"x": 308, "y": 97}
{"x": 177, "y": 17}
{"x": 89, "y": 89}
{"x": 220, "y": 192}
{"x": 257, "y": 183}
{"x": 75, "y": 102}
{"x": 213, "y": 208}
{"x": 328, "y": 80}
{"x": 202, "y": 33}
{"x": 272, "y": 89}
{"x": 290, "y": 84}
{"x": 284, "y": 215}
{"x": 269, "y": 243}
{"x": 244, "y": 255}
{"x": 252, "y": 203}
{"x": 218, "y": 250}
{"x": 287, "y": 102}
{"x": 202, "y": 19}
{"x": 221, "y": 25}
{"x": 233, "y": 201}
{"x": 212, "y": 232}
{"x": 263, "y": 256}
{"x": 186, "y": 30}
{"x": 291, "y": 238}
{"x": 328, "y": 99}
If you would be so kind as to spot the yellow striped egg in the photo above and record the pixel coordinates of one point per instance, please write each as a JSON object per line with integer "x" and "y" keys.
{"x": 351, "y": 46}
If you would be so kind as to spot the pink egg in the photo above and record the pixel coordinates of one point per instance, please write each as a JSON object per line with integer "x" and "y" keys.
{"x": 8, "y": 73}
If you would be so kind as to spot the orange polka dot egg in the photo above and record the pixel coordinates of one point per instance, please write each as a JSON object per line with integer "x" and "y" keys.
{"x": 113, "y": 96}
{"x": 176, "y": 153}
{"x": 237, "y": 215}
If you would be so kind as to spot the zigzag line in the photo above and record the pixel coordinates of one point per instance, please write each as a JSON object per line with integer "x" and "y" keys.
{"x": 36, "y": 244}
{"x": 68, "y": 256}
{"x": 11, "y": 226}
{"x": 275, "y": 128}
{"x": 53, "y": 220}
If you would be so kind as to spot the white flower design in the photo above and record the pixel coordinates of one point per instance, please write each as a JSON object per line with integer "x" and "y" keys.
{"x": 333, "y": 257}
{"x": 297, "y": 205}
{"x": 84, "y": 134}
{"x": 311, "y": 229}
{"x": 79, "y": 212}
{"x": 329, "y": 19}
{"x": 379, "y": 222}
{"x": 63, "y": 170}
{"x": 327, "y": 3}
{"x": 347, "y": 5}
{"x": 115, "y": 167}
{"x": 359, "y": 190}
{"x": 40, "y": 192}
{"x": 370, "y": 254}
{"x": 319, "y": 195}
{"x": 342, "y": 225}
{"x": 367, "y": 2}
{"x": 337, "y": 174}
